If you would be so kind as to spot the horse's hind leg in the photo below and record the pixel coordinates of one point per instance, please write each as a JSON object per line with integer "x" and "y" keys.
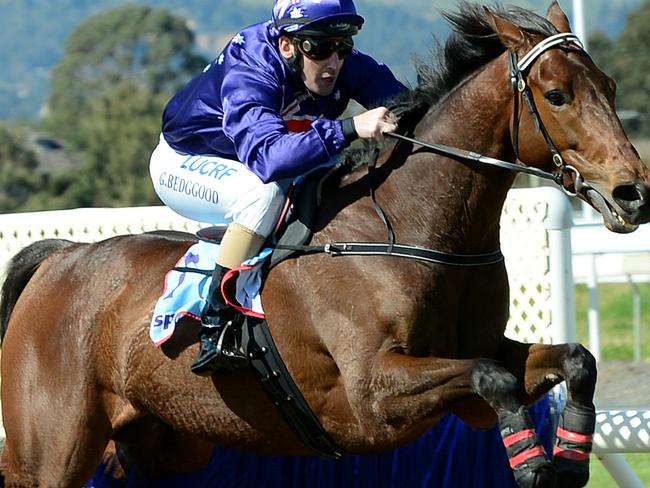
{"x": 539, "y": 367}
{"x": 56, "y": 431}
{"x": 65, "y": 455}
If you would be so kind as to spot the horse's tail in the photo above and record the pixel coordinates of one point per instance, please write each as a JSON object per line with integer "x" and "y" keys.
{"x": 19, "y": 271}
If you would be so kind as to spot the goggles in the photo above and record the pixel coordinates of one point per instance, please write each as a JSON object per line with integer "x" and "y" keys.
{"x": 319, "y": 49}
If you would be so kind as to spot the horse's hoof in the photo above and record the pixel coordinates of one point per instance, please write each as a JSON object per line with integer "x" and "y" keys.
{"x": 541, "y": 477}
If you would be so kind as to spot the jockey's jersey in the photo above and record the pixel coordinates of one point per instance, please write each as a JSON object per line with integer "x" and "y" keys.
{"x": 250, "y": 106}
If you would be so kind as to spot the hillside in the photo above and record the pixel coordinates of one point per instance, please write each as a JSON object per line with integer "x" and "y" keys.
{"x": 33, "y": 33}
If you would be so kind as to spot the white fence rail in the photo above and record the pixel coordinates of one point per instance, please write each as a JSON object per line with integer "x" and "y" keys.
{"x": 84, "y": 225}
{"x": 536, "y": 241}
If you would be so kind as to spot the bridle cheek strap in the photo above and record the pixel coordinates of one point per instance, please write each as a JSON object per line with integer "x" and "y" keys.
{"x": 518, "y": 71}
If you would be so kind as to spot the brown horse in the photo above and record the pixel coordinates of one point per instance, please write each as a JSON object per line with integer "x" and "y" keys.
{"x": 380, "y": 347}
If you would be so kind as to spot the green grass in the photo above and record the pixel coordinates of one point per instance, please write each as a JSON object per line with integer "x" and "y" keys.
{"x": 617, "y": 344}
{"x": 616, "y": 320}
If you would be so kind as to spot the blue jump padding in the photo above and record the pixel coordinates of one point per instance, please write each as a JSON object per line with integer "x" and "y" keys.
{"x": 450, "y": 455}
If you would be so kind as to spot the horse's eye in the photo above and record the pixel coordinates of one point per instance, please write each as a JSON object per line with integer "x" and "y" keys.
{"x": 557, "y": 98}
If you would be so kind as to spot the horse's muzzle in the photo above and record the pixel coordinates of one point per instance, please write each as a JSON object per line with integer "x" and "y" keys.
{"x": 634, "y": 199}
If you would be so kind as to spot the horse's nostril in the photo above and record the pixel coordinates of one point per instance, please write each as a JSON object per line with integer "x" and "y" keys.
{"x": 626, "y": 193}
{"x": 632, "y": 196}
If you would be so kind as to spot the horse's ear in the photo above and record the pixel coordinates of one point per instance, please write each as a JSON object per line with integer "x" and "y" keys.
{"x": 558, "y": 18}
{"x": 512, "y": 37}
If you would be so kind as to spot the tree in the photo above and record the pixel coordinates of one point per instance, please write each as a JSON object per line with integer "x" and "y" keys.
{"x": 121, "y": 130}
{"x": 108, "y": 92}
{"x": 627, "y": 60}
{"x": 149, "y": 47}
{"x": 18, "y": 178}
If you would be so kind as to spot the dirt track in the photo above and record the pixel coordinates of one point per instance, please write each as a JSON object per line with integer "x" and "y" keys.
{"x": 623, "y": 386}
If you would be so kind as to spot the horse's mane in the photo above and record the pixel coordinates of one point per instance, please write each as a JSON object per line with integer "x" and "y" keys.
{"x": 470, "y": 46}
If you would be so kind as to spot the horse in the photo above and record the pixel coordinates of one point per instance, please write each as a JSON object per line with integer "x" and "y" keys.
{"x": 381, "y": 347}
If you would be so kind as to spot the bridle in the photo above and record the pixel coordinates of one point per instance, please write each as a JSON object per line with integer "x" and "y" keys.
{"x": 521, "y": 90}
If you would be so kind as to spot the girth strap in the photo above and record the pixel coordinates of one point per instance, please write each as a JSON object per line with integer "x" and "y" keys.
{"x": 401, "y": 251}
{"x": 275, "y": 379}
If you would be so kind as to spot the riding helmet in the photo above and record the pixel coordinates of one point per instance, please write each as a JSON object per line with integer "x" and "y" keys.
{"x": 327, "y": 18}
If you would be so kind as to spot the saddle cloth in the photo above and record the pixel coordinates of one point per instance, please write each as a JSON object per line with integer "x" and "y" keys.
{"x": 185, "y": 292}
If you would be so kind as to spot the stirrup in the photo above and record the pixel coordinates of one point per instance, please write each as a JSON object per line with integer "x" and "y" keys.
{"x": 222, "y": 355}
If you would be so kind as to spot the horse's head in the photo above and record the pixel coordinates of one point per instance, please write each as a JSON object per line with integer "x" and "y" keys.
{"x": 574, "y": 101}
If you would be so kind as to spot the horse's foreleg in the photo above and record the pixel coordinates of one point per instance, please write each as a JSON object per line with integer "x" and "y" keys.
{"x": 429, "y": 386}
{"x": 538, "y": 368}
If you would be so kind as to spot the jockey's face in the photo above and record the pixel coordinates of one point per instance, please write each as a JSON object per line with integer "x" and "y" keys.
{"x": 319, "y": 76}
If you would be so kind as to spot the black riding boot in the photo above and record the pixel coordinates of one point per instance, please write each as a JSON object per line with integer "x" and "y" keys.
{"x": 217, "y": 336}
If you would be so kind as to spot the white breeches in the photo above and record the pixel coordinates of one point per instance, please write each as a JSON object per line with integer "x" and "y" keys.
{"x": 215, "y": 190}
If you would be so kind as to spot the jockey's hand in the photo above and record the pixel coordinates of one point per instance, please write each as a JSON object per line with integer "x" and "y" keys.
{"x": 374, "y": 123}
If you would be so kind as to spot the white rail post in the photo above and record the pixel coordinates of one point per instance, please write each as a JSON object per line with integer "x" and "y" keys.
{"x": 593, "y": 314}
{"x": 618, "y": 432}
{"x": 558, "y": 225}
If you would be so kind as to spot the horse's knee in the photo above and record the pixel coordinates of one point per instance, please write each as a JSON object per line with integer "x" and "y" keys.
{"x": 580, "y": 373}
{"x": 496, "y": 385}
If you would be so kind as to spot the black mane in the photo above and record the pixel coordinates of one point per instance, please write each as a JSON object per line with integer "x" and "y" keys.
{"x": 471, "y": 45}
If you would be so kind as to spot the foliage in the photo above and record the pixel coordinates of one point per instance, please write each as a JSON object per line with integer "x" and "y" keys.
{"x": 108, "y": 91}
{"x": 121, "y": 130}
{"x": 18, "y": 179}
{"x": 150, "y": 48}
{"x": 627, "y": 60}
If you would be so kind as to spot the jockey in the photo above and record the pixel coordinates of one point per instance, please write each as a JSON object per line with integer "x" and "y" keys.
{"x": 262, "y": 113}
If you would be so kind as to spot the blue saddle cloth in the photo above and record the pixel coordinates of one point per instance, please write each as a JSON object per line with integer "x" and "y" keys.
{"x": 185, "y": 291}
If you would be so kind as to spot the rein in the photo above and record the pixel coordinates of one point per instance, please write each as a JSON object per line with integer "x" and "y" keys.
{"x": 518, "y": 70}
{"x": 465, "y": 155}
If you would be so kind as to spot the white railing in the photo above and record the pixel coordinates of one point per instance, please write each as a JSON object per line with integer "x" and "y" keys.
{"x": 84, "y": 225}
{"x": 536, "y": 241}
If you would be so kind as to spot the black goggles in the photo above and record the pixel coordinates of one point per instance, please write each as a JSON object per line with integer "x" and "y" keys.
{"x": 319, "y": 49}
